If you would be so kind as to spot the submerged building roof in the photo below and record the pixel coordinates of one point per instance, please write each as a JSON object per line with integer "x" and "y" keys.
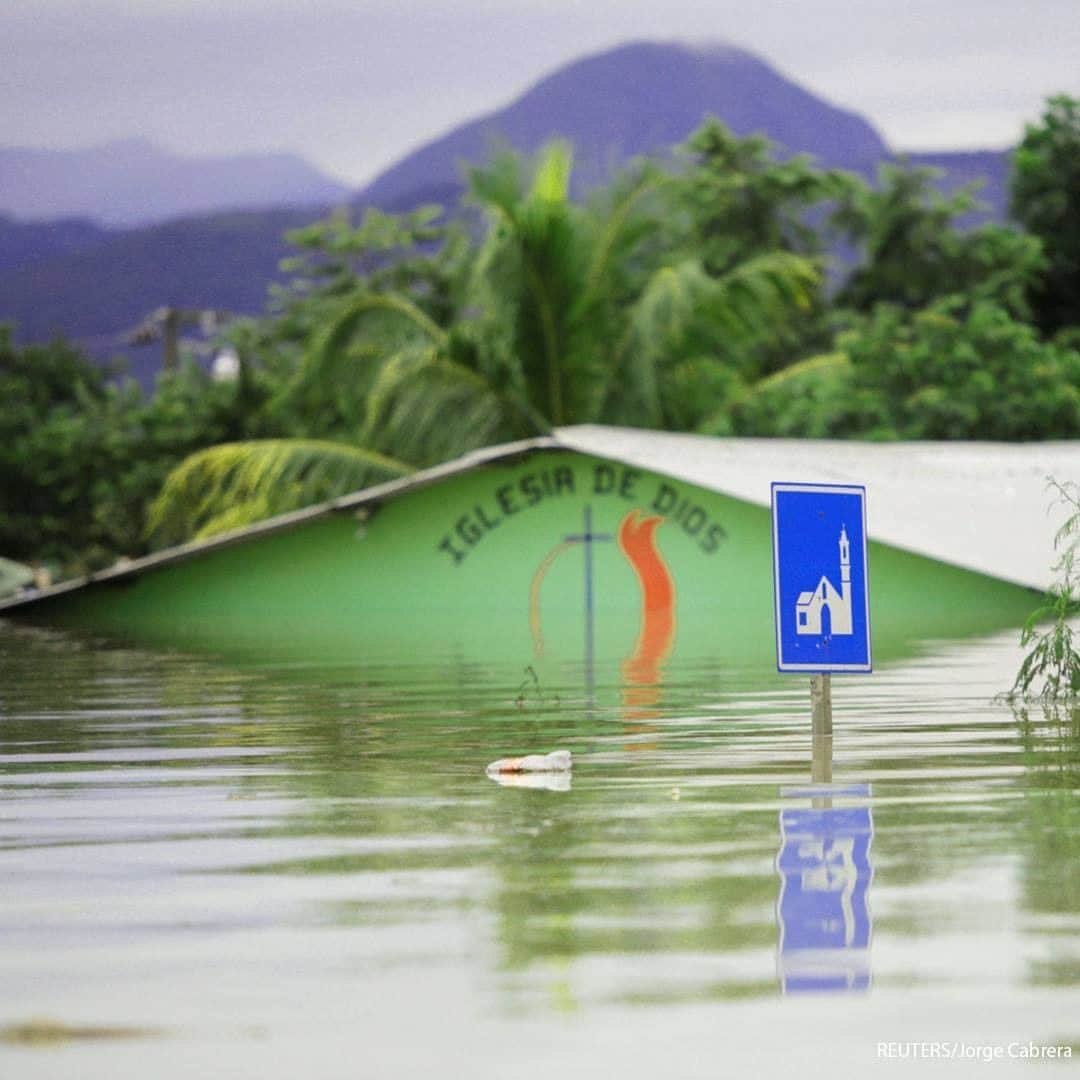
{"x": 980, "y": 506}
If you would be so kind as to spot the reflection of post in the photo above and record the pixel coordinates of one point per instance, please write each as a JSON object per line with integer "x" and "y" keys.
{"x": 823, "y": 911}
{"x": 589, "y": 606}
{"x": 821, "y": 704}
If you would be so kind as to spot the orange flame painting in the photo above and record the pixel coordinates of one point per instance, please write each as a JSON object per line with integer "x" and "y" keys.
{"x": 641, "y": 670}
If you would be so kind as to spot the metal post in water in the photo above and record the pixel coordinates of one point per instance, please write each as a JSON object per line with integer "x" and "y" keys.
{"x": 821, "y": 704}
{"x": 821, "y": 759}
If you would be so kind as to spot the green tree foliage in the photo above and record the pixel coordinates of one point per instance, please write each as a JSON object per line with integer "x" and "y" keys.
{"x": 952, "y": 370}
{"x": 736, "y": 200}
{"x": 82, "y": 456}
{"x": 321, "y": 393}
{"x": 741, "y": 201}
{"x": 1045, "y": 199}
{"x": 46, "y": 475}
{"x": 911, "y": 254}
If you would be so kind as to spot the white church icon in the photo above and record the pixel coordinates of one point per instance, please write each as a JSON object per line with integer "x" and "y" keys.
{"x": 826, "y": 611}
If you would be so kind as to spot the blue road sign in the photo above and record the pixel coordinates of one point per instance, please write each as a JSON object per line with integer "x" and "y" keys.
{"x": 820, "y": 577}
{"x": 823, "y": 912}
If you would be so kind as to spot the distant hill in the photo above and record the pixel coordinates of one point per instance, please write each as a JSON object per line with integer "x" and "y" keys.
{"x": 633, "y": 100}
{"x": 224, "y": 261}
{"x": 22, "y": 243}
{"x": 639, "y": 99}
{"x": 134, "y": 182}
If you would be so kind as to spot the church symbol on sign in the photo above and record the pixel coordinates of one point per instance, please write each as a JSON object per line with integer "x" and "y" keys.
{"x": 826, "y": 611}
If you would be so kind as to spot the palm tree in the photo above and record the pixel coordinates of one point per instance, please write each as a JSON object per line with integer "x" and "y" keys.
{"x": 562, "y": 313}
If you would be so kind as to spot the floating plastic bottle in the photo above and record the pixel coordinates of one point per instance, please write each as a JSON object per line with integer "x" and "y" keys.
{"x": 559, "y": 761}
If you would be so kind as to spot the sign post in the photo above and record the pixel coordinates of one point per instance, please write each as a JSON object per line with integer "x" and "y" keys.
{"x": 821, "y": 587}
{"x": 821, "y": 704}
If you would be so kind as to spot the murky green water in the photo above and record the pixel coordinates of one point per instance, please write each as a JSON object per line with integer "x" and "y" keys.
{"x": 306, "y": 872}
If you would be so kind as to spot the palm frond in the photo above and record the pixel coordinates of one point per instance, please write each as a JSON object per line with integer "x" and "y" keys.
{"x": 682, "y": 303}
{"x": 614, "y": 227}
{"x": 551, "y": 182}
{"x": 658, "y": 318}
{"x": 356, "y": 340}
{"x": 527, "y": 277}
{"x": 345, "y": 325}
{"x": 763, "y": 288}
{"x": 236, "y": 484}
{"x": 498, "y": 186}
{"x": 428, "y": 408}
{"x": 824, "y": 362}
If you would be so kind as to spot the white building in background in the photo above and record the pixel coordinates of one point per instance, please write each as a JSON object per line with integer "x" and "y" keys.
{"x": 226, "y": 365}
{"x": 825, "y": 610}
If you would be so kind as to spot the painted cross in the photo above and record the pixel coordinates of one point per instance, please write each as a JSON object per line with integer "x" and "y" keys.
{"x": 588, "y": 538}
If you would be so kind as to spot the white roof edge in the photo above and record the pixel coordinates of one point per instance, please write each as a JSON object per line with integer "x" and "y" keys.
{"x": 981, "y": 506}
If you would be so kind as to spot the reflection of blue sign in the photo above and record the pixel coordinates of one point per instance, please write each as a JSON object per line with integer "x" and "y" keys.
{"x": 823, "y": 913}
{"x": 820, "y": 577}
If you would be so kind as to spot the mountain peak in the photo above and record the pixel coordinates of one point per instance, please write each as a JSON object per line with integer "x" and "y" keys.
{"x": 639, "y": 98}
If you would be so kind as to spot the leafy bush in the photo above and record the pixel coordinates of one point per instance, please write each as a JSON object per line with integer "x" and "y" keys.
{"x": 953, "y": 370}
{"x": 1048, "y": 635}
{"x": 1045, "y": 199}
{"x": 82, "y": 457}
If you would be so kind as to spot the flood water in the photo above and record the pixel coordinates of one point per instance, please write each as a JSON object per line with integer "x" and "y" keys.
{"x": 210, "y": 870}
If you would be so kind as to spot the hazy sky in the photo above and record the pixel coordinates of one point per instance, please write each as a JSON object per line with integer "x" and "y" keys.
{"x": 354, "y": 85}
